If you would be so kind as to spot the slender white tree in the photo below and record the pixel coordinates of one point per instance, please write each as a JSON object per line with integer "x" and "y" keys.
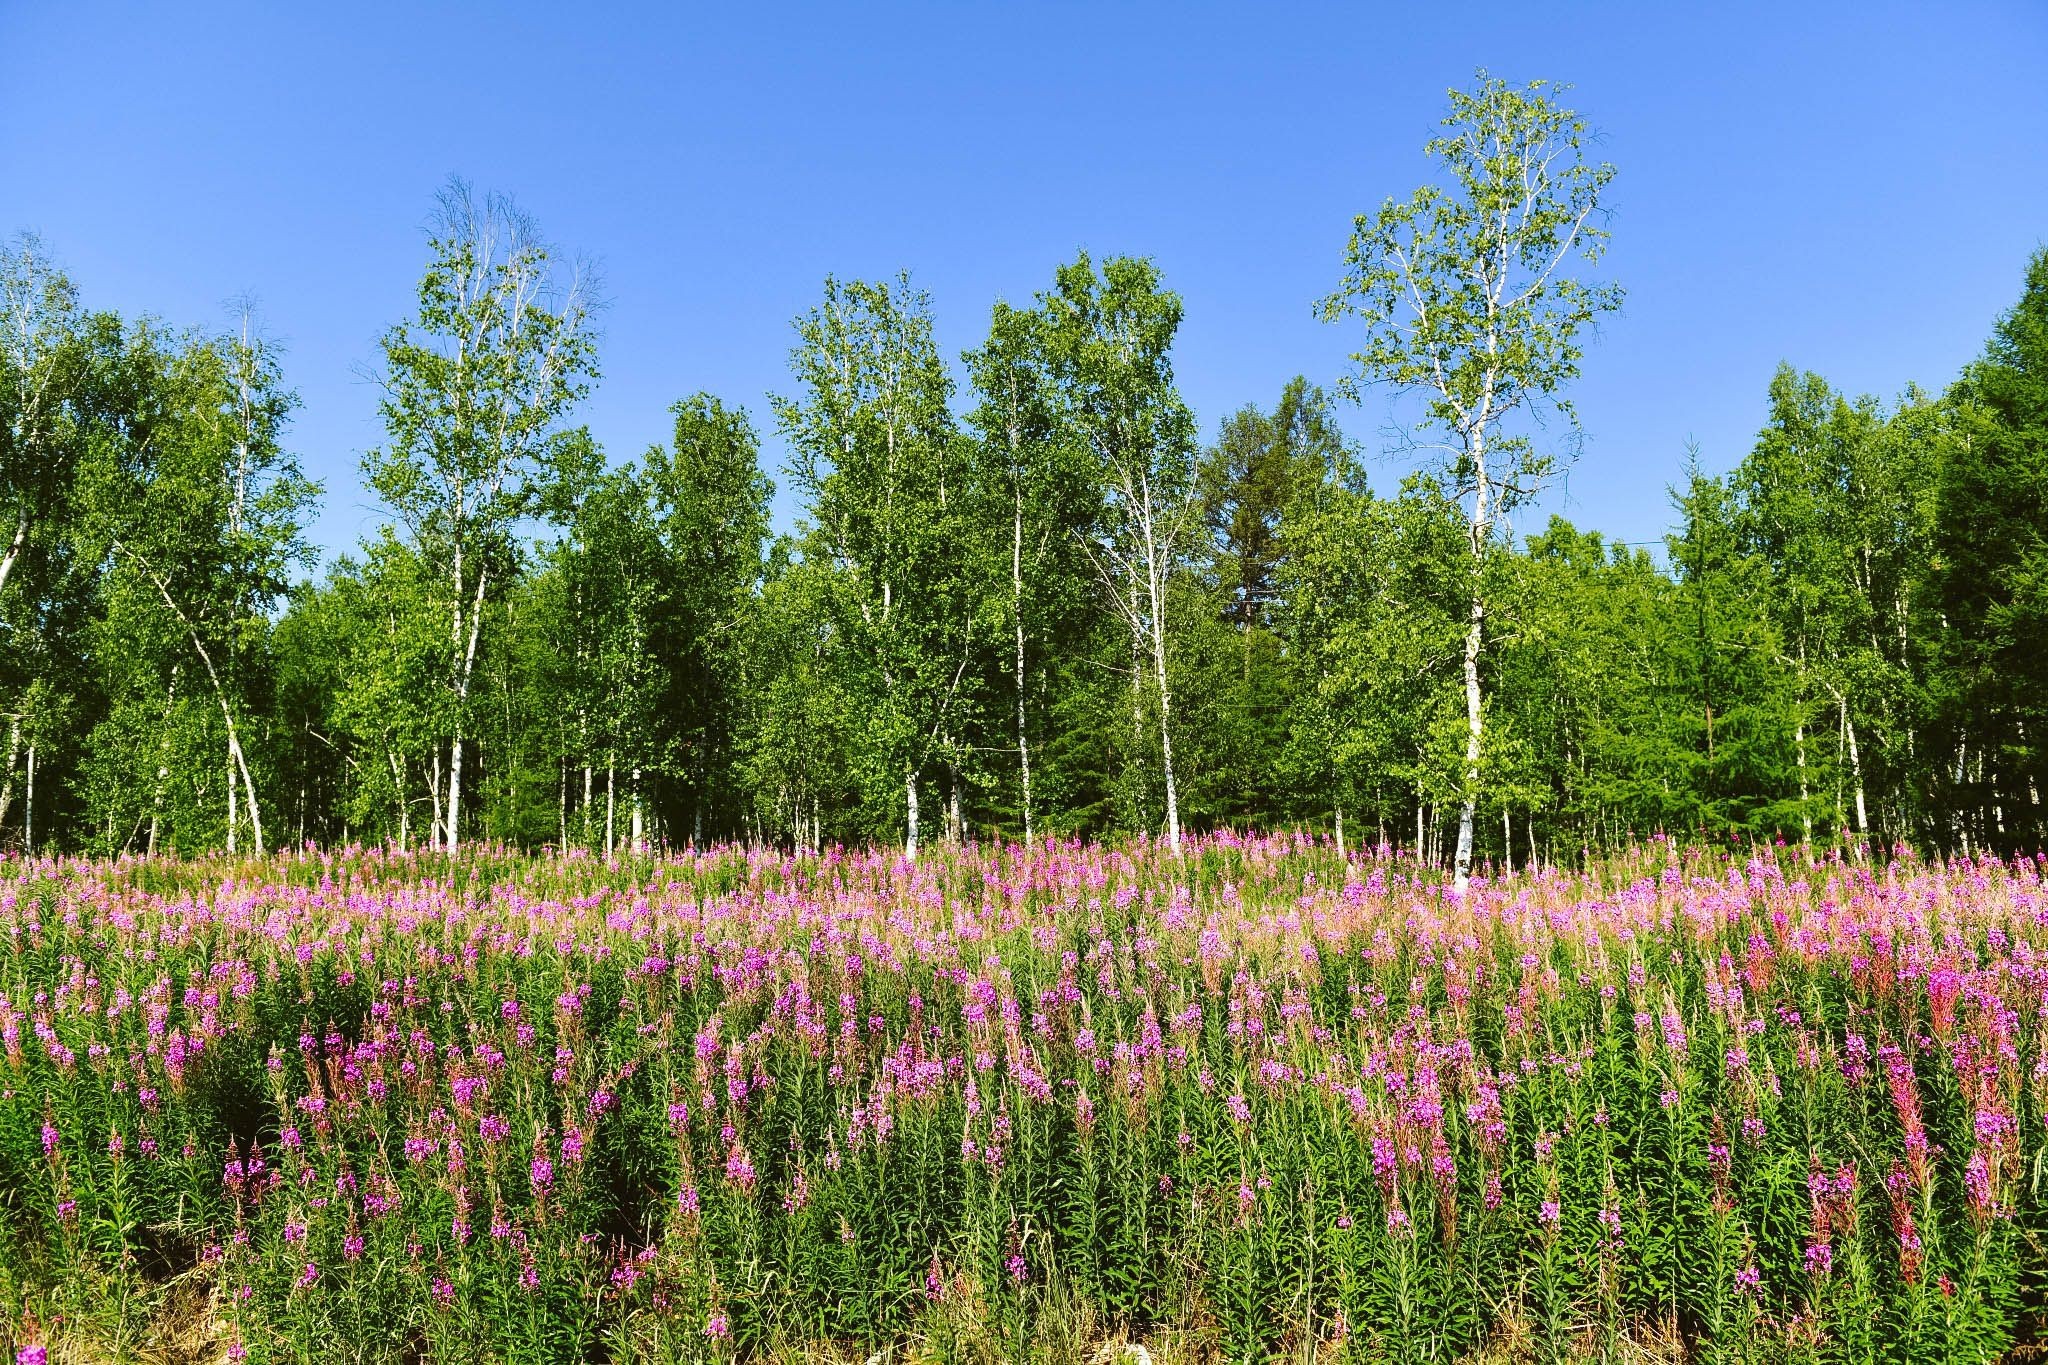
{"x": 1111, "y": 341}
{"x": 1467, "y": 301}
{"x": 477, "y": 391}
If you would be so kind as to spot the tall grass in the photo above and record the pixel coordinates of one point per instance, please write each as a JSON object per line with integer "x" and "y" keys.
{"x": 1256, "y": 1101}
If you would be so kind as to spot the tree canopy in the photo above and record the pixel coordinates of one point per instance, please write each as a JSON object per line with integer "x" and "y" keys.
{"x": 1022, "y": 596}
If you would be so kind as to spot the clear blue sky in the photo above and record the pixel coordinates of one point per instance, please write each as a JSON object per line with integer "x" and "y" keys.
{"x": 1853, "y": 188}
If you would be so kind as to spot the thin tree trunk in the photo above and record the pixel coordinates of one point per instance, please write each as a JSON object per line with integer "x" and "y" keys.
{"x": 1507, "y": 840}
{"x": 435, "y": 805}
{"x": 1856, "y": 768}
{"x": 1017, "y": 616}
{"x": 1155, "y": 590}
{"x": 1480, "y": 527}
{"x": 1957, "y": 830}
{"x": 1137, "y": 700}
{"x": 1472, "y": 735}
{"x": 910, "y": 815}
{"x": 13, "y": 757}
{"x": 404, "y": 806}
{"x": 639, "y": 824}
{"x": 1340, "y": 835}
{"x": 466, "y": 664}
{"x": 452, "y": 820}
{"x": 28, "y": 805}
{"x": 1799, "y": 745}
{"x": 611, "y": 772}
{"x": 220, "y": 695}
{"x": 163, "y": 768}
{"x": 14, "y": 546}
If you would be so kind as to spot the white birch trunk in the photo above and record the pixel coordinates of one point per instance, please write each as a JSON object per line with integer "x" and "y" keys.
{"x": 13, "y": 757}
{"x": 1474, "y": 640}
{"x": 587, "y": 835}
{"x": 1799, "y": 744}
{"x": 910, "y": 815}
{"x": 1017, "y": 615}
{"x": 1155, "y": 590}
{"x": 466, "y": 665}
{"x": 404, "y": 806}
{"x": 1472, "y": 735}
{"x": 237, "y": 759}
{"x": 434, "y": 803}
{"x": 14, "y": 546}
{"x": 1856, "y": 769}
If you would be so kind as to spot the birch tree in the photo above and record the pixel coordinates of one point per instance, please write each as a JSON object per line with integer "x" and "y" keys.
{"x": 197, "y": 516}
{"x": 38, "y": 323}
{"x": 477, "y": 391}
{"x": 874, "y": 452}
{"x": 1111, "y": 341}
{"x": 1803, "y": 492}
{"x": 1468, "y": 301}
{"x": 1036, "y": 502}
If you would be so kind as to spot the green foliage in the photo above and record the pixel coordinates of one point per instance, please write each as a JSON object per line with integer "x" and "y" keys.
{"x": 1037, "y": 610}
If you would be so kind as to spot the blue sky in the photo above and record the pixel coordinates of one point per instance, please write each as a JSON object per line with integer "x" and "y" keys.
{"x": 1853, "y": 188}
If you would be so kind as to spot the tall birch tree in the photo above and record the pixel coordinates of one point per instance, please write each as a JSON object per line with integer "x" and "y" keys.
{"x": 1036, "y": 501}
{"x": 197, "y": 517}
{"x": 1112, "y": 337}
{"x": 38, "y": 324}
{"x": 875, "y": 454}
{"x": 1468, "y": 302}
{"x": 478, "y": 388}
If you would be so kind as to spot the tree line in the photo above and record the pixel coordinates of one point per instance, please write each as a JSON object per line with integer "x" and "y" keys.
{"x": 1034, "y": 602}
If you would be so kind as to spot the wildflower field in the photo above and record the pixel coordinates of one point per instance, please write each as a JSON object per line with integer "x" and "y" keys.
{"x": 1258, "y": 1101}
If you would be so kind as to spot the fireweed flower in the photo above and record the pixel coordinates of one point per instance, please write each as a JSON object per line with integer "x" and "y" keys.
{"x": 1365, "y": 1006}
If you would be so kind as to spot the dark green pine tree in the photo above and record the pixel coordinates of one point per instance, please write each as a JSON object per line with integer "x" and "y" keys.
{"x": 1233, "y": 656}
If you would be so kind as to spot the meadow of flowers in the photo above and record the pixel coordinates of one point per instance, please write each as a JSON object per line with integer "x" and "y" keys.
{"x": 1261, "y": 1100}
